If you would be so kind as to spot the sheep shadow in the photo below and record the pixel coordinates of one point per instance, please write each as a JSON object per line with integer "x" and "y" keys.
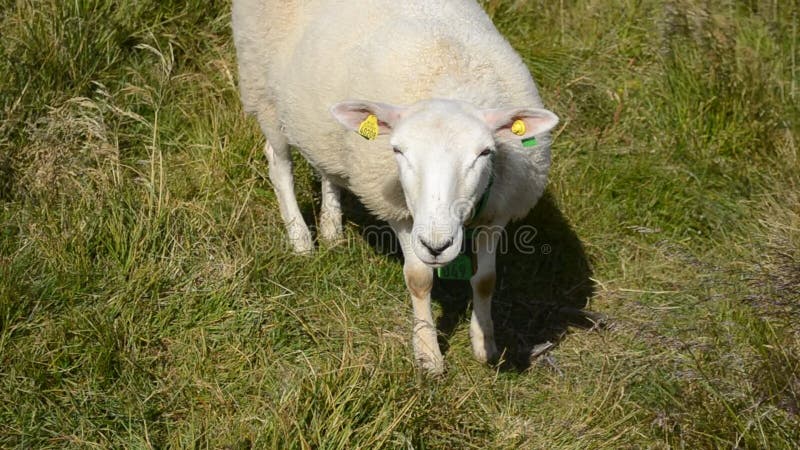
{"x": 543, "y": 287}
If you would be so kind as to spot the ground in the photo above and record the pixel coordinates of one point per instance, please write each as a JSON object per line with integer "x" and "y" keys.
{"x": 148, "y": 298}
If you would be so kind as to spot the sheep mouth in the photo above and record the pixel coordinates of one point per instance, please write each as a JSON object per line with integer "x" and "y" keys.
{"x": 436, "y": 264}
{"x": 438, "y": 261}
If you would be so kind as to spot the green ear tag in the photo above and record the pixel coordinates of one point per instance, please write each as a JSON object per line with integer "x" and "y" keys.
{"x": 530, "y": 142}
{"x": 458, "y": 269}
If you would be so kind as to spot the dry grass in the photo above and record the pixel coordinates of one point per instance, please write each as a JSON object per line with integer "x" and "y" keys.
{"x": 148, "y": 300}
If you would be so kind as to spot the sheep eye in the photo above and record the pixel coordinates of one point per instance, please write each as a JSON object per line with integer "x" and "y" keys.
{"x": 397, "y": 151}
{"x": 486, "y": 152}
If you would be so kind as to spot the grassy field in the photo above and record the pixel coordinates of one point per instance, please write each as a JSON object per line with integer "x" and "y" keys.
{"x": 147, "y": 298}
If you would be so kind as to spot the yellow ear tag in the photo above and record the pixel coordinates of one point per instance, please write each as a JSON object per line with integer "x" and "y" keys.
{"x": 369, "y": 127}
{"x": 518, "y": 128}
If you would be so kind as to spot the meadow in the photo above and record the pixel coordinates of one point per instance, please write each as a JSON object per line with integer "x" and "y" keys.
{"x": 148, "y": 298}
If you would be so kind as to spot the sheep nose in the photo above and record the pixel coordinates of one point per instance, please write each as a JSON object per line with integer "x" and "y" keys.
{"x": 437, "y": 250}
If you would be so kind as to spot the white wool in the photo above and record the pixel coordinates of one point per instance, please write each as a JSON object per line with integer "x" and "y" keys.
{"x": 297, "y": 58}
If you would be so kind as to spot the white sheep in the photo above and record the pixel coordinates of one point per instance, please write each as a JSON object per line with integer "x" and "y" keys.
{"x": 456, "y": 105}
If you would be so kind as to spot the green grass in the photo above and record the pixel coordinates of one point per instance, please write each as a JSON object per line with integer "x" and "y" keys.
{"x": 148, "y": 300}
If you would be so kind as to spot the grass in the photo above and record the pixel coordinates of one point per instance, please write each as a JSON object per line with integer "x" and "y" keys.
{"x": 148, "y": 300}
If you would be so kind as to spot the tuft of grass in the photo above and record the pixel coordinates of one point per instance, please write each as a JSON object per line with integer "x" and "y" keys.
{"x": 148, "y": 298}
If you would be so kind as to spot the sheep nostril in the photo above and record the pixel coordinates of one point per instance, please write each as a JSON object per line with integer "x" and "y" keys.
{"x": 437, "y": 250}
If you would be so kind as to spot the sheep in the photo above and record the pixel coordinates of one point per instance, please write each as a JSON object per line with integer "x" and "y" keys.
{"x": 451, "y": 116}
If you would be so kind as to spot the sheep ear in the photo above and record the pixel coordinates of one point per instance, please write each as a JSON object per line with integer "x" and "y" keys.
{"x": 519, "y": 123}
{"x": 352, "y": 114}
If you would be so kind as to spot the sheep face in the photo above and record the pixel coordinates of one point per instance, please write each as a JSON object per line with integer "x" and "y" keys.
{"x": 444, "y": 154}
{"x": 444, "y": 151}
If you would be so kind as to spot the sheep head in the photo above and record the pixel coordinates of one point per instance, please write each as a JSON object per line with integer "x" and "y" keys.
{"x": 444, "y": 151}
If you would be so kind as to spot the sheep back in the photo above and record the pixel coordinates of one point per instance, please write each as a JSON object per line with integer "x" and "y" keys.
{"x": 298, "y": 58}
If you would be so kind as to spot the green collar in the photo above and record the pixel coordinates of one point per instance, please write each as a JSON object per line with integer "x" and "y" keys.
{"x": 527, "y": 143}
{"x": 484, "y": 198}
{"x": 462, "y": 267}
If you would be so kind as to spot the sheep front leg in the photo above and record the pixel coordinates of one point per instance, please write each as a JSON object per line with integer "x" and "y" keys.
{"x": 481, "y": 327}
{"x": 280, "y": 173}
{"x": 330, "y": 221}
{"x": 419, "y": 280}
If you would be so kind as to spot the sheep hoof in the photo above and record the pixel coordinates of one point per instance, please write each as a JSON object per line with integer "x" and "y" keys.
{"x": 432, "y": 366}
{"x": 303, "y": 249}
{"x": 300, "y": 239}
{"x": 485, "y": 350}
{"x": 427, "y": 353}
{"x": 330, "y": 230}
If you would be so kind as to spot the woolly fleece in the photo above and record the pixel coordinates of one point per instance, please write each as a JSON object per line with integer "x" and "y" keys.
{"x": 298, "y": 58}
